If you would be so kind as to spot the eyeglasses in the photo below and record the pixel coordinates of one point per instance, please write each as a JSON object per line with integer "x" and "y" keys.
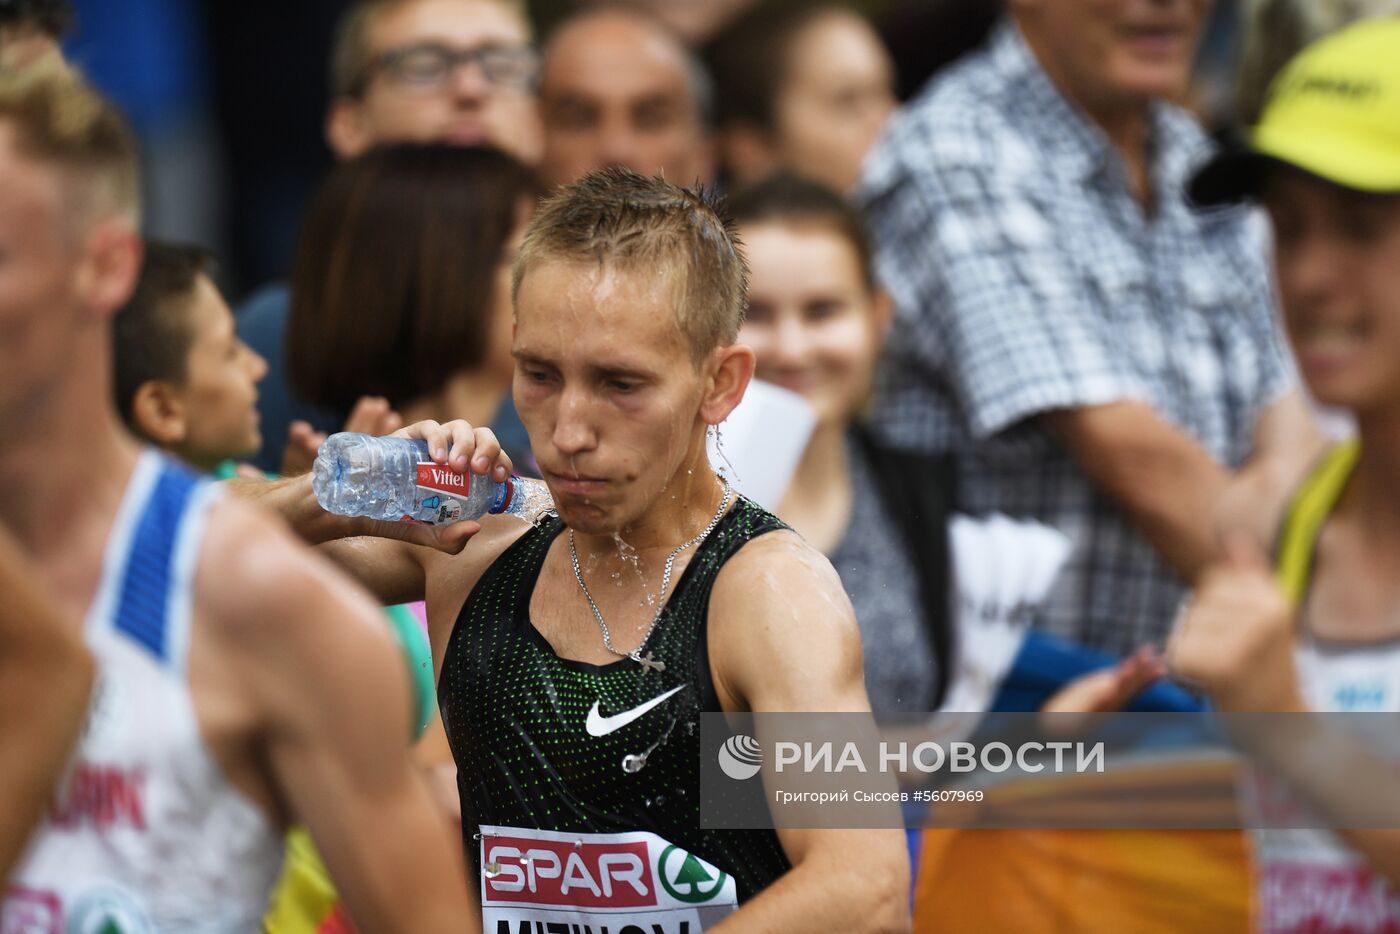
{"x": 428, "y": 66}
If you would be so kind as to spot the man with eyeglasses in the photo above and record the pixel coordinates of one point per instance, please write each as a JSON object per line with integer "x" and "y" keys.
{"x": 460, "y": 71}
{"x": 456, "y": 71}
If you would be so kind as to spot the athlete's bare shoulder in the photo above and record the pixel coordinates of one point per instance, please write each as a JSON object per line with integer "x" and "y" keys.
{"x": 783, "y": 635}
{"x": 770, "y": 566}
{"x": 255, "y": 577}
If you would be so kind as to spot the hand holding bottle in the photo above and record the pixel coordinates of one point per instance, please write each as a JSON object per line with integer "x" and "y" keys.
{"x": 420, "y": 479}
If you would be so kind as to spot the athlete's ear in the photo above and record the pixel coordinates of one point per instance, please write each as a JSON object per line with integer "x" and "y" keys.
{"x": 158, "y": 413}
{"x": 112, "y": 255}
{"x": 729, "y": 371}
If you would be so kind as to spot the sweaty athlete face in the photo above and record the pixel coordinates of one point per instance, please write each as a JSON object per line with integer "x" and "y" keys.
{"x": 607, "y": 389}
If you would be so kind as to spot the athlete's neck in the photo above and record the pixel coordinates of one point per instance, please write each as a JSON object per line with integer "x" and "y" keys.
{"x": 681, "y": 512}
{"x": 64, "y": 466}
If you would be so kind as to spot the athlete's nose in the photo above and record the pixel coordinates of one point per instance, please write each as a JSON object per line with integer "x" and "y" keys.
{"x": 573, "y": 431}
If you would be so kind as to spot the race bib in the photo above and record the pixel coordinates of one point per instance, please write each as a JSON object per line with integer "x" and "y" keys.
{"x": 543, "y": 882}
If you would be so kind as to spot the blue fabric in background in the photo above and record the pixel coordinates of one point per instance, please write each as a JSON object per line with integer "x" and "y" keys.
{"x": 1047, "y": 663}
{"x": 147, "y": 55}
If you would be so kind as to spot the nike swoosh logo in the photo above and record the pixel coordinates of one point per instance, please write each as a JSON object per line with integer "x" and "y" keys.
{"x": 599, "y": 725}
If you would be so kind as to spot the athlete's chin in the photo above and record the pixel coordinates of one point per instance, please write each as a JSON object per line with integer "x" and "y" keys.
{"x": 586, "y": 517}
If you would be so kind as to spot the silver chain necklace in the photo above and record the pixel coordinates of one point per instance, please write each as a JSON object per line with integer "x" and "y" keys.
{"x": 646, "y": 661}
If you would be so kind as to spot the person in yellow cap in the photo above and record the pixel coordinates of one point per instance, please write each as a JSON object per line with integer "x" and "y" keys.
{"x": 1320, "y": 629}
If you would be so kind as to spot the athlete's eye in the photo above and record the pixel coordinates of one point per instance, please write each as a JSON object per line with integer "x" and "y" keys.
{"x": 622, "y": 385}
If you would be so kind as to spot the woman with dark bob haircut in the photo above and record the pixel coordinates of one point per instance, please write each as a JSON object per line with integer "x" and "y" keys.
{"x": 401, "y": 290}
{"x": 401, "y": 286}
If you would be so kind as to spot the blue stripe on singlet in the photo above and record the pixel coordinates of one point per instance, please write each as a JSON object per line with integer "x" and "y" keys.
{"x": 143, "y": 607}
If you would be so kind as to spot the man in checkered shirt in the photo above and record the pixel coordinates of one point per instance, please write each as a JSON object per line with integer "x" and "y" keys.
{"x": 1097, "y": 354}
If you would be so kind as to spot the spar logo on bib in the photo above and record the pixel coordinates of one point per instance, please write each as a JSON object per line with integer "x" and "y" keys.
{"x": 587, "y": 875}
{"x": 537, "y": 881}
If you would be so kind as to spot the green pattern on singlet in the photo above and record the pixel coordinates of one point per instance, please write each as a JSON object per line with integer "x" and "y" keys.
{"x": 514, "y": 713}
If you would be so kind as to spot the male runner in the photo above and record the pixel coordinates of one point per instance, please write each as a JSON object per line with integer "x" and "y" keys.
{"x": 241, "y": 682}
{"x": 576, "y": 657}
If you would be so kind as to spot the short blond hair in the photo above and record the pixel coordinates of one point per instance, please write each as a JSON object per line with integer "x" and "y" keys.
{"x": 60, "y": 120}
{"x": 617, "y": 218}
{"x": 351, "y": 55}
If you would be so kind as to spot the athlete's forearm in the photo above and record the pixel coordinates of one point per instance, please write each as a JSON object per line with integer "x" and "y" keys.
{"x": 293, "y": 499}
{"x": 872, "y": 896}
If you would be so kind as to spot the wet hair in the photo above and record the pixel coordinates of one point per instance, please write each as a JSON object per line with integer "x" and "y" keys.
{"x": 350, "y": 46}
{"x": 617, "y": 218}
{"x": 391, "y": 285}
{"x": 151, "y": 334}
{"x": 61, "y": 121}
{"x": 787, "y": 199}
{"x": 750, "y": 59}
{"x": 52, "y": 18}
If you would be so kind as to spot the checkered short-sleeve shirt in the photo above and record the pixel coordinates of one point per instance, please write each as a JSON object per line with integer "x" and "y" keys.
{"x": 1028, "y": 278}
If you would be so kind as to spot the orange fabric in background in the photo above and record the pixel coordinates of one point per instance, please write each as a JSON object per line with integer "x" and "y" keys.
{"x": 1112, "y": 881}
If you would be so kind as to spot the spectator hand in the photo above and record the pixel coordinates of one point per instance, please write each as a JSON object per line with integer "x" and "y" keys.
{"x": 371, "y": 415}
{"x": 300, "y": 452}
{"x": 1234, "y": 640}
{"x": 1108, "y": 689}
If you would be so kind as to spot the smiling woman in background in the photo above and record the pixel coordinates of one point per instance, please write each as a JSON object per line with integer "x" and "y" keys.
{"x": 817, "y": 321}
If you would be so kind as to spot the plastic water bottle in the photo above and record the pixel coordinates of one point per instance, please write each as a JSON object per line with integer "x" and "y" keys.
{"x": 396, "y": 479}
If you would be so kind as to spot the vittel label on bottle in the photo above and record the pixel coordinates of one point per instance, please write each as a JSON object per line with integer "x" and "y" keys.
{"x": 442, "y": 494}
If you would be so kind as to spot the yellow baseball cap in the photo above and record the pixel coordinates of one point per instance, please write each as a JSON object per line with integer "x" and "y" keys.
{"x": 1333, "y": 112}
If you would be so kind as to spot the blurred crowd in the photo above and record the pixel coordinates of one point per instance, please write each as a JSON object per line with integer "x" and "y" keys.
{"x": 1123, "y": 269}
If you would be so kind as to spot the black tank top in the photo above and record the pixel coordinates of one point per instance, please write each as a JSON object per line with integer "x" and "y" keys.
{"x": 515, "y": 715}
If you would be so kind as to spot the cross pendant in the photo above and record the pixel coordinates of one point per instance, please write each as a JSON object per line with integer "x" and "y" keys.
{"x": 646, "y": 661}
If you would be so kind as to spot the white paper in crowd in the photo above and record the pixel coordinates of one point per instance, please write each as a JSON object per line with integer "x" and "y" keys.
{"x": 1002, "y": 569}
{"x": 764, "y": 438}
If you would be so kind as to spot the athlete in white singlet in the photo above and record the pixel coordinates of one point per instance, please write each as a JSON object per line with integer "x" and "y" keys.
{"x": 145, "y": 832}
{"x": 242, "y": 683}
